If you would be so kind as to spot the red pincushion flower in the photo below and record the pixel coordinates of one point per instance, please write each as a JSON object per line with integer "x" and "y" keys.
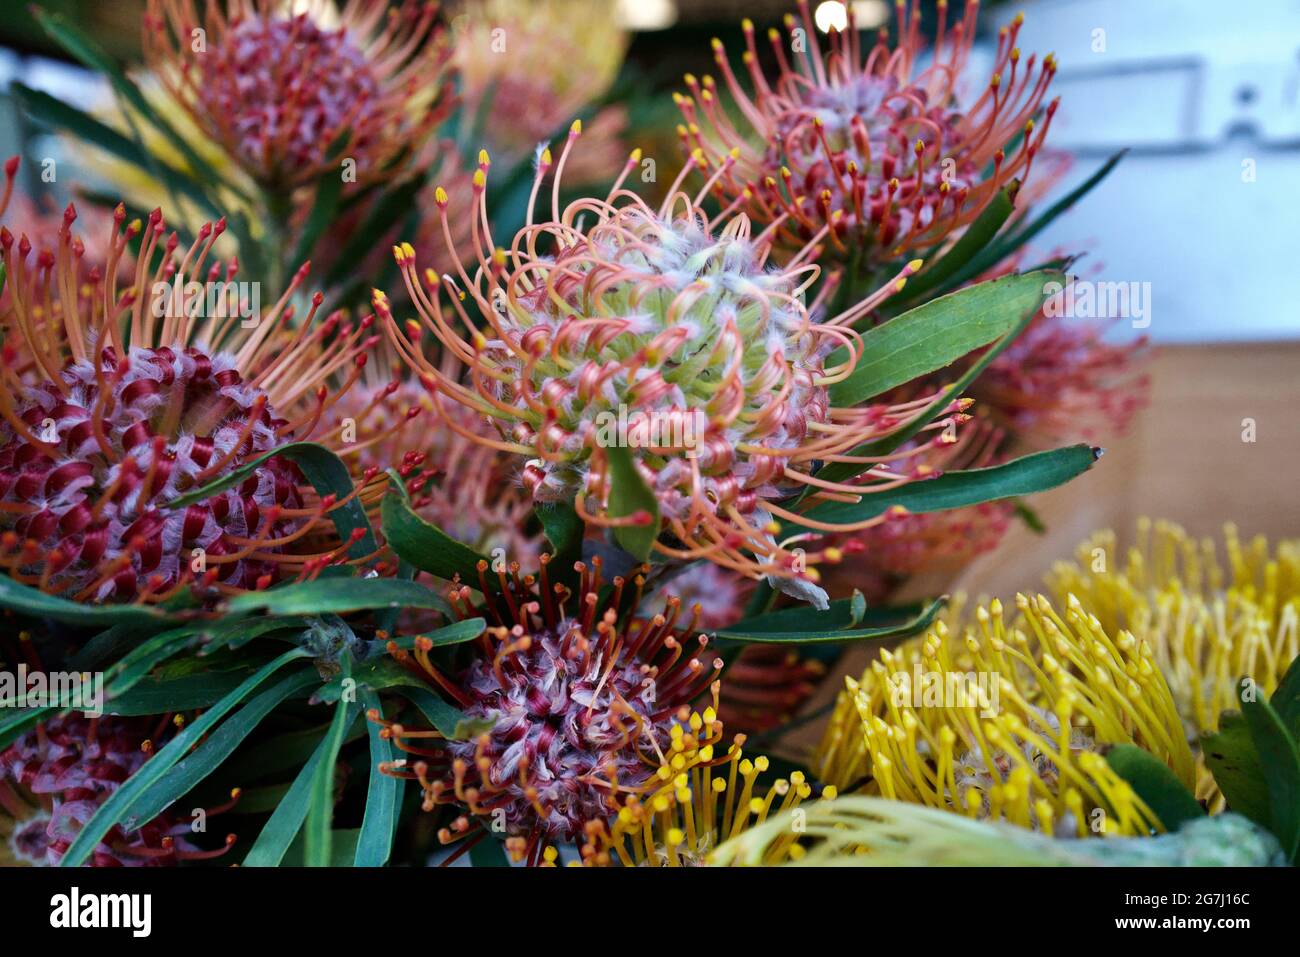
{"x": 117, "y": 404}
{"x": 878, "y": 148}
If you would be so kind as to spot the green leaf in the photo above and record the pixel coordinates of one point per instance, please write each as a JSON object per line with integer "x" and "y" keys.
{"x": 628, "y": 496}
{"x": 1280, "y": 764}
{"x": 320, "y": 809}
{"x": 839, "y": 471}
{"x": 378, "y": 222}
{"x": 15, "y": 722}
{"x": 425, "y": 545}
{"x": 337, "y": 596}
{"x": 457, "y": 633}
{"x": 203, "y": 760}
{"x": 379, "y": 824}
{"x": 938, "y": 333}
{"x": 1155, "y": 784}
{"x": 841, "y": 622}
{"x": 1230, "y": 755}
{"x": 564, "y": 530}
{"x": 325, "y": 205}
{"x": 186, "y": 693}
{"x": 111, "y": 811}
{"x": 1022, "y": 476}
{"x": 286, "y": 821}
{"x": 31, "y": 601}
{"x": 974, "y": 239}
{"x": 1286, "y": 699}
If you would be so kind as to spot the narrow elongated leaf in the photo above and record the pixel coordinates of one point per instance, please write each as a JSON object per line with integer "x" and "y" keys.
{"x": 203, "y": 760}
{"x": 112, "y": 810}
{"x": 425, "y": 545}
{"x": 1155, "y": 784}
{"x": 184, "y": 693}
{"x": 326, "y": 473}
{"x": 935, "y": 335}
{"x": 320, "y": 809}
{"x": 1023, "y": 476}
{"x": 630, "y": 496}
{"x": 806, "y": 625}
{"x": 375, "y": 843}
{"x": 286, "y": 820}
{"x": 31, "y": 601}
{"x": 564, "y": 530}
{"x": 338, "y": 596}
{"x": 441, "y": 715}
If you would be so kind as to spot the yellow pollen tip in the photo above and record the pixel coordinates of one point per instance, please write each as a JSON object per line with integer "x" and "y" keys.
{"x": 576, "y": 128}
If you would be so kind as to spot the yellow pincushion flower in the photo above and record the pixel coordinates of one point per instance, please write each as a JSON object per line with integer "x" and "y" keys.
{"x": 1006, "y": 721}
{"x": 715, "y": 801}
{"x": 1208, "y": 626}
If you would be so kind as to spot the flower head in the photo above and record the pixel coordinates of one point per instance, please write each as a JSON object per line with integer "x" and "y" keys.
{"x": 281, "y": 84}
{"x": 667, "y": 333}
{"x": 1207, "y": 626}
{"x": 869, "y": 142}
{"x": 117, "y": 404}
{"x": 584, "y": 709}
{"x": 1007, "y": 721}
{"x": 53, "y": 780}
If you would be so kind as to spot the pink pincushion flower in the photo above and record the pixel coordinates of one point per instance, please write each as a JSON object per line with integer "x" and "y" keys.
{"x": 583, "y": 710}
{"x": 54, "y": 779}
{"x": 877, "y": 146}
{"x": 664, "y": 331}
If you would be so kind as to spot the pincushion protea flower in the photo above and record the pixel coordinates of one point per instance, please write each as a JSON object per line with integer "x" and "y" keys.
{"x": 54, "y": 778}
{"x": 615, "y": 313}
{"x": 586, "y": 710}
{"x": 281, "y": 83}
{"x": 874, "y": 146}
{"x": 1207, "y": 627}
{"x": 1006, "y": 722}
{"x": 116, "y": 403}
{"x": 536, "y": 64}
{"x": 719, "y": 799}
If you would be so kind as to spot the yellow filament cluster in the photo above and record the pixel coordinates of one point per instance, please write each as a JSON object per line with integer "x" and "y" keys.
{"x": 713, "y": 801}
{"x": 1056, "y": 691}
{"x": 1208, "y": 625}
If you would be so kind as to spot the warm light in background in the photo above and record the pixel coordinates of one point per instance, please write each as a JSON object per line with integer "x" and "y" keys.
{"x": 831, "y": 15}
{"x": 647, "y": 14}
{"x": 867, "y": 15}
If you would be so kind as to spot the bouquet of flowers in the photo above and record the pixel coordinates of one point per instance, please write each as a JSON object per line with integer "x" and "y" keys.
{"x": 415, "y": 450}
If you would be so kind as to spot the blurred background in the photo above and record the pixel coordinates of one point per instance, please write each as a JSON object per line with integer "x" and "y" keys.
{"x": 1201, "y": 215}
